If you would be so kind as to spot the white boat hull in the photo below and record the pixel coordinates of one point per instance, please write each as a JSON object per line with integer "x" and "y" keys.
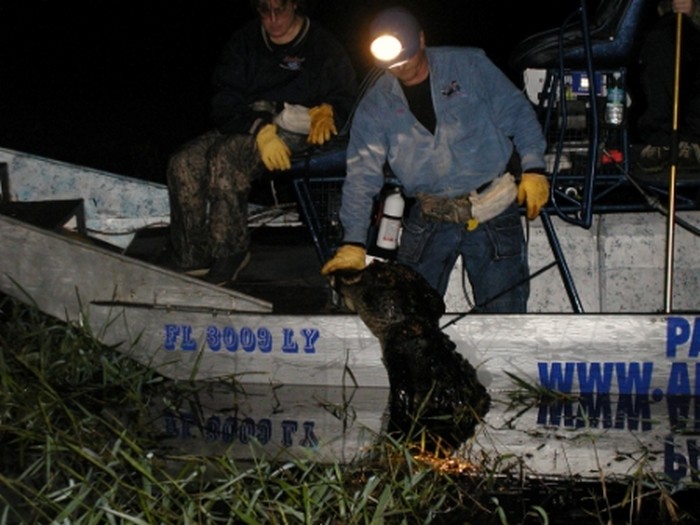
{"x": 633, "y": 378}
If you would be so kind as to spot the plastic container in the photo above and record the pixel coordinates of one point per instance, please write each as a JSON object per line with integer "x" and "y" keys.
{"x": 615, "y": 104}
{"x": 390, "y": 221}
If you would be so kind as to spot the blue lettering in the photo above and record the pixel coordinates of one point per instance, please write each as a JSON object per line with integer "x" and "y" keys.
{"x": 678, "y": 380}
{"x": 311, "y": 335}
{"x": 213, "y": 338}
{"x": 229, "y": 430}
{"x": 633, "y": 410}
{"x": 597, "y": 378}
{"x": 233, "y": 429}
{"x": 590, "y": 408}
{"x": 630, "y": 381}
{"x": 188, "y": 343}
{"x": 679, "y": 414}
{"x": 553, "y": 379}
{"x": 171, "y": 428}
{"x": 676, "y": 464}
{"x": 212, "y": 429}
{"x": 677, "y": 333}
{"x": 289, "y": 345}
{"x": 172, "y": 332}
{"x": 264, "y": 340}
{"x": 591, "y": 380}
{"x": 289, "y": 428}
{"x": 247, "y": 338}
{"x": 226, "y": 338}
{"x": 230, "y": 338}
{"x": 264, "y": 433}
{"x": 596, "y": 411}
{"x": 246, "y": 430}
{"x": 310, "y": 440}
{"x": 187, "y": 422}
{"x": 695, "y": 343}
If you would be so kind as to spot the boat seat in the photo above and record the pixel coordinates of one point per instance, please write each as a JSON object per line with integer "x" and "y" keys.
{"x": 317, "y": 176}
{"x": 320, "y": 160}
{"x": 579, "y": 58}
{"x": 615, "y": 31}
{"x": 572, "y": 119}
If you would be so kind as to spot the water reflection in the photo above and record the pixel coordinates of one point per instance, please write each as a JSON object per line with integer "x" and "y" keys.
{"x": 280, "y": 422}
{"x": 573, "y": 435}
{"x": 589, "y": 434}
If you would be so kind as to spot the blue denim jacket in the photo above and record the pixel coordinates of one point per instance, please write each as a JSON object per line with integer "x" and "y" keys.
{"x": 480, "y": 115}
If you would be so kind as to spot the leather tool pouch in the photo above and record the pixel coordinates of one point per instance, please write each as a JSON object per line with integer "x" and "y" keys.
{"x": 482, "y": 206}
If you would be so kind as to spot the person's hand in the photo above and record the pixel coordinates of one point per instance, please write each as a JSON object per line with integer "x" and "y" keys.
{"x": 322, "y": 124}
{"x": 534, "y": 191}
{"x": 274, "y": 153}
{"x": 682, "y": 6}
{"x": 347, "y": 257}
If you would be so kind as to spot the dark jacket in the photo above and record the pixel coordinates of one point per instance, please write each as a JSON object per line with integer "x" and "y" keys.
{"x": 312, "y": 69}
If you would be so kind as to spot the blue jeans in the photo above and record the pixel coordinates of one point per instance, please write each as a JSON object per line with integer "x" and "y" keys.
{"x": 494, "y": 255}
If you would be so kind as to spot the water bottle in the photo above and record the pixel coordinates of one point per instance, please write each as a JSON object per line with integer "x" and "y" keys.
{"x": 615, "y": 104}
{"x": 390, "y": 222}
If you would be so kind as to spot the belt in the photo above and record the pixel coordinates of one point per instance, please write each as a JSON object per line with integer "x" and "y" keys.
{"x": 480, "y": 205}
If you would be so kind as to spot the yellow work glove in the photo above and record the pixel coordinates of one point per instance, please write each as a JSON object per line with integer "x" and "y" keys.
{"x": 534, "y": 191}
{"x": 274, "y": 153}
{"x": 322, "y": 124}
{"x": 347, "y": 257}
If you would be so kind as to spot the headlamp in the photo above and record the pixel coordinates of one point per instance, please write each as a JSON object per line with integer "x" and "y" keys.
{"x": 395, "y": 35}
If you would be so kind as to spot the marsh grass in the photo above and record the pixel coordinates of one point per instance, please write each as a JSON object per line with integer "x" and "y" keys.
{"x": 75, "y": 448}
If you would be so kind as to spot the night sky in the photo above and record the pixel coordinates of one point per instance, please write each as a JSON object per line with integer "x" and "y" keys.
{"x": 119, "y": 85}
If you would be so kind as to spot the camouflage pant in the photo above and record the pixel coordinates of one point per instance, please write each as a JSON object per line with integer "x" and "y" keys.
{"x": 208, "y": 182}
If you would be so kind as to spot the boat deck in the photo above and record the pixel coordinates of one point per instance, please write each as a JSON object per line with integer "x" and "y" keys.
{"x": 284, "y": 268}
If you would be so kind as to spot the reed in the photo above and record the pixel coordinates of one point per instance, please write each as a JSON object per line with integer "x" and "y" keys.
{"x": 75, "y": 447}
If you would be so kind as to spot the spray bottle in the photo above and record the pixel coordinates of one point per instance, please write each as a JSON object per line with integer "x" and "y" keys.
{"x": 390, "y": 220}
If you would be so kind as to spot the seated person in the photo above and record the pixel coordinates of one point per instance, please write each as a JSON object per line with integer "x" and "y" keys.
{"x": 283, "y": 83}
{"x": 657, "y": 60}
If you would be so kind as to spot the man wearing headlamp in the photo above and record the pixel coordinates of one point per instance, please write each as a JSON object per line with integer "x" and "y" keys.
{"x": 466, "y": 144}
